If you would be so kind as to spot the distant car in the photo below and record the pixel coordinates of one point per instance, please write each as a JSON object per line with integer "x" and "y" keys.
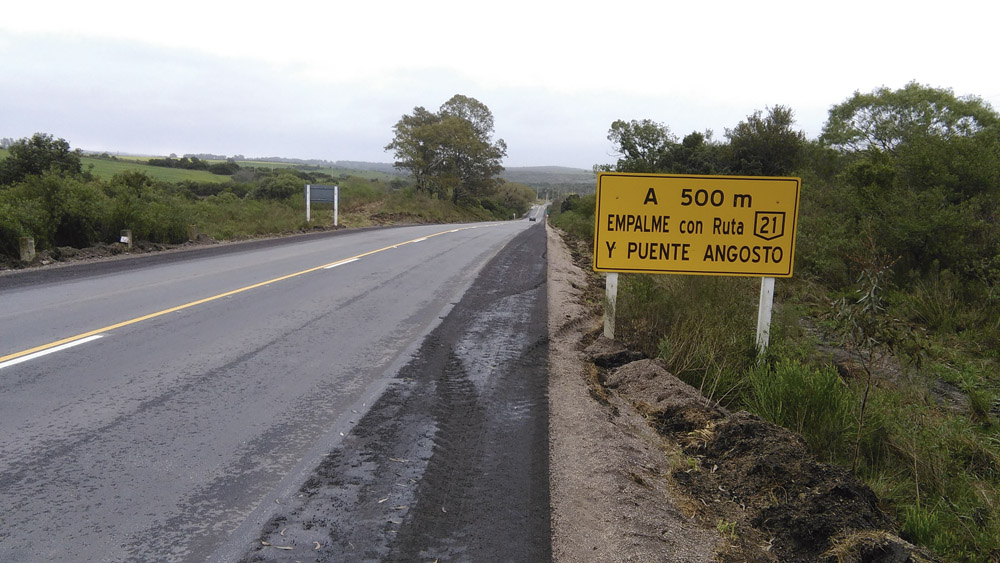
{"x": 532, "y": 218}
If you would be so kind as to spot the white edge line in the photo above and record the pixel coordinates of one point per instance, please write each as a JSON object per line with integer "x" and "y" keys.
{"x": 16, "y": 361}
{"x": 341, "y": 263}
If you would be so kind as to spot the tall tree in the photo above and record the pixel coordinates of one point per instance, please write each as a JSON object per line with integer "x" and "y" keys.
{"x": 766, "y": 145}
{"x": 648, "y": 146}
{"x": 697, "y": 154}
{"x": 418, "y": 149}
{"x": 642, "y": 146}
{"x": 450, "y": 152}
{"x": 923, "y": 170}
{"x": 885, "y": 119}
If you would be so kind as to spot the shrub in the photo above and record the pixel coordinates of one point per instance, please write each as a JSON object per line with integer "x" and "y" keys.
{"x": 59, "y": 211}
{"x": 279, "y": 187}
{"x": 36, "y": 156}
{"x": 11, "y": 229}
{"x": 575, "y": 215}
{"x": 811, "y": 401}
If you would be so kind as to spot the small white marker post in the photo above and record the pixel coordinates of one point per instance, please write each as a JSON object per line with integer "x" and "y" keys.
{"x": 336, "y": 203}
{"x": 308, "y": 190}
{"x": 611, "y": 291}
{"x": 764, "y": 315}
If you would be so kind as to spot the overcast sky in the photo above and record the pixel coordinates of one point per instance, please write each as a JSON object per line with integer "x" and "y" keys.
{"x": 328, "y": 81}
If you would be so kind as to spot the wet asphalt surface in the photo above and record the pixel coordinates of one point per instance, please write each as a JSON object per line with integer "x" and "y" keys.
{"x": 451, "y": 463}
{"x": 181, "y": 437}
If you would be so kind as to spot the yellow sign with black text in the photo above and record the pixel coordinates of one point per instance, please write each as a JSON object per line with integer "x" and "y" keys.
{"x": 700, "y": 225}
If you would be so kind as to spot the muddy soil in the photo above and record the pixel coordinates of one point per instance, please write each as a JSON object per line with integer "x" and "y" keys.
{"x": 756, "y": 481}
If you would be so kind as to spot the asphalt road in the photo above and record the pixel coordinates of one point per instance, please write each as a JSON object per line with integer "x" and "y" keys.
{"x": 195, "y": 398}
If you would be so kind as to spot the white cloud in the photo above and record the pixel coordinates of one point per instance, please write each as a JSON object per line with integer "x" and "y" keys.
{"x": 330, "y": 80}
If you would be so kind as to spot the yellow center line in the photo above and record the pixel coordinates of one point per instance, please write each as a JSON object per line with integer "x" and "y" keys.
{"x": 216, "y": 297}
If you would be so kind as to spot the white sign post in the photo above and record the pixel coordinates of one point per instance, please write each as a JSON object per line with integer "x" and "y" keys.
{"x": 324, "y": 194}
{"x": 611, "y": 291}
{"x": 764, "y": 314}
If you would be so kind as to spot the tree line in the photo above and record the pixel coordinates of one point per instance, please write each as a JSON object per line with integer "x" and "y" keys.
{"x": 916, "y": 169}
{"x": 226, "y": 168}
{"x": 883, "y": 352}
{"x": 46, "y": 194}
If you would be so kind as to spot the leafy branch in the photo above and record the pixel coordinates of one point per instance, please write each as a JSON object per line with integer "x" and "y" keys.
{"x": 867, "y": 330}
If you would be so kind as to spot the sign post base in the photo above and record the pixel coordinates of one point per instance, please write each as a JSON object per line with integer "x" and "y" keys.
{"x": 764, "y": 315}
{"x": 610, "y": 308}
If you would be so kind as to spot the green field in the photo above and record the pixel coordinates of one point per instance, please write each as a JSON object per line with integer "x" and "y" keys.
{"x": 331, "y": 170}
{"x": 105, "y": 169}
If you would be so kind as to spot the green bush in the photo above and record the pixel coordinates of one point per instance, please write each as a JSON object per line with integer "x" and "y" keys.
{"x": 81, "y": 214}
{"x": 575, "y": 215}
{"x": 357, "y": 193}
{"x": 58, "y": 211}
{"x": 11, "y": 229}
{"x": 280, "y": 187}
{"x": 813, "y": 402}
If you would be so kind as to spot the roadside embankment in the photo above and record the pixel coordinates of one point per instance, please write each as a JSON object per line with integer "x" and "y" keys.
{"x": 645, "y": 468}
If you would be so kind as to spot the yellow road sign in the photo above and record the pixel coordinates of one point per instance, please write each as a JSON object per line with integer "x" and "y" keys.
{"x": 701, "y": 225}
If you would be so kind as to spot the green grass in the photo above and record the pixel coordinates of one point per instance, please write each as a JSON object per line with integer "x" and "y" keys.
{"x": 329, "y": 170}
{"x": 811, "y": 401}
{"x": 105, "y": 169}
{"x": 703, "y": 327}
{"x": 578, "y": 216}
{"x": 932, "y": 458}
{"x": 227, "y": 217}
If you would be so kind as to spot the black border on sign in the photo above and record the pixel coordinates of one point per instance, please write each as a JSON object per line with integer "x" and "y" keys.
{"x": 795, "y": 208}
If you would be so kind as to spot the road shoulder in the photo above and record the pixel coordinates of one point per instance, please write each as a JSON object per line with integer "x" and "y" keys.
{"x": 609, "y": 492}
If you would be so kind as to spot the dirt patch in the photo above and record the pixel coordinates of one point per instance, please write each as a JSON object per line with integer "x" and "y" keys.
{"x": 395, "y": 218}
{"x": 728, "y": 486}
{"x": 608, "y": 468}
